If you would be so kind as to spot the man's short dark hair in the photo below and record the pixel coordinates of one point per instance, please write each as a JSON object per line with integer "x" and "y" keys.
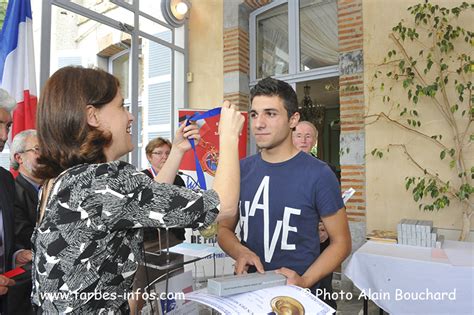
{"x": 274, "y": 87}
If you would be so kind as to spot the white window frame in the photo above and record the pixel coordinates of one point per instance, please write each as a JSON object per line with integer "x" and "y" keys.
{"x": 294, "y": 73}
{"x": 136, "y": 33}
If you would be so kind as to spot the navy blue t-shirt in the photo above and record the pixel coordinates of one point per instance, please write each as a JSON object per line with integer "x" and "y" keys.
{"x": 280, "y": 207}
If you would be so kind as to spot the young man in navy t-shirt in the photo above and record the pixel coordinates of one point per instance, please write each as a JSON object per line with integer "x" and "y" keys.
{"x": 283, "y": 194}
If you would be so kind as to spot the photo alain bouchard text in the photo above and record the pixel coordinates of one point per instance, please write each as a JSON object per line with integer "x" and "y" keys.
{"x": 397, "y": 295}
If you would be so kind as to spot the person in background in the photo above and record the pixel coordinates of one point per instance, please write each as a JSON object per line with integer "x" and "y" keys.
{"x": 157, "y": 152}
{"x": 7, "y": 195}
{"x": 7, "y": 106}
{"x": 23, "y": 158}
{"x": 305, "y": 138}
{"x": 24, "y": 152}
{"x": 283, "y": 194}
{"x": 93, "y": 206}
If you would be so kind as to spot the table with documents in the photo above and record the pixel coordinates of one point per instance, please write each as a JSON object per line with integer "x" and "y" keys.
{"x": 403, "y": 279}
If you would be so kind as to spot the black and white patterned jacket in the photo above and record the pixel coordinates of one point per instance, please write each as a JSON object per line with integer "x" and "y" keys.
{"x": 88, "y": 245}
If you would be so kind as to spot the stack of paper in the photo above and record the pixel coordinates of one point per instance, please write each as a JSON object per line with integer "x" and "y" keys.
{"x": 418, "y": 233}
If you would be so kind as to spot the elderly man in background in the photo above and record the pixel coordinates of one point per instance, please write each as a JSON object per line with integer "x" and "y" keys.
{"x": 23, "y": 155}
{"x": 305, "y": 138}
{"x": 24, "y": 152}
{"x": 7, "y": 193}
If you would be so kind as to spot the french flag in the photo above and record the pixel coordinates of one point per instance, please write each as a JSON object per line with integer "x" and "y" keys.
{"x": 17, "y": 67}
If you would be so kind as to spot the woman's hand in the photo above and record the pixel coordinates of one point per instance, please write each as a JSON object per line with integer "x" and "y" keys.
{"x": 231, "y": 121}
{"x": 180, "y": 146}
{"x": 183, "y": 134}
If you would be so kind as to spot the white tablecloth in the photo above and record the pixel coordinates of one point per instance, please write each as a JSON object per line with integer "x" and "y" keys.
{"x": 404, "y": 279}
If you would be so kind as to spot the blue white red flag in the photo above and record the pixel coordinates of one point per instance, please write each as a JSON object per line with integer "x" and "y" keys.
{"x": 17, "y": 67}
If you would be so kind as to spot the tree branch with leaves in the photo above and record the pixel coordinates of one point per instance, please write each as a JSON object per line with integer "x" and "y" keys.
{"x": 430, "y": 61}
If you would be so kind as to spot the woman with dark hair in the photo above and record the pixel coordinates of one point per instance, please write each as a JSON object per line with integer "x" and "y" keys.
{"x": 87, "y": 242}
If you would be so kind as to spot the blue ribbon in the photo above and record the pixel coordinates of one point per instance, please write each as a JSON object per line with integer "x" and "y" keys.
{"x": 197, "y": 116}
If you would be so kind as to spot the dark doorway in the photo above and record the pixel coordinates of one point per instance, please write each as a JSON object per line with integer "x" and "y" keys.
{"x": 319, "y": 100}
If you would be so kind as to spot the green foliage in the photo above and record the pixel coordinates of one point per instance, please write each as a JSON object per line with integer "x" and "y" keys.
{"x": 465, "y": 191}
{"x": 3, "y": 11}
{"x": 377, "y": 153}
{"x": 442, "y": 66}
{"x": 428, "y": 187}
{"x": 436, "y": 20}
{"x": 350, "y": 88}
{"x": 343, "y": 151}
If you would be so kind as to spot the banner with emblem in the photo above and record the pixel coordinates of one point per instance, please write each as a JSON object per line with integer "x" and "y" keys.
{"x": 207, "y": 149}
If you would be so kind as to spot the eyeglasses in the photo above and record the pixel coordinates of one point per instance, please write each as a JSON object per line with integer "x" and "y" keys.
{"x": 33, "y": 149}
{"x": 160, "y": 153}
